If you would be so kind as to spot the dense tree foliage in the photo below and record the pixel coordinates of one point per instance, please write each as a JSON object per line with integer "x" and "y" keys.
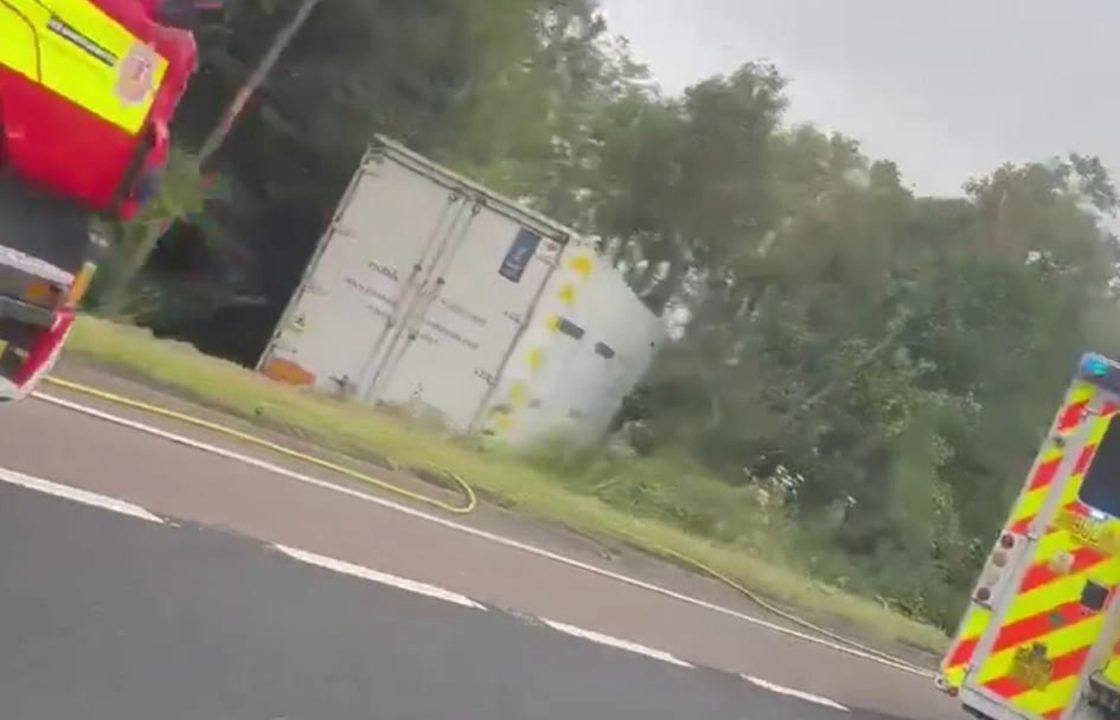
{"x": 893, "y": 359}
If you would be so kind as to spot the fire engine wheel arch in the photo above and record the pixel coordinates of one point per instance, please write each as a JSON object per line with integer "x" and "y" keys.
{"x": 470, "y": 504}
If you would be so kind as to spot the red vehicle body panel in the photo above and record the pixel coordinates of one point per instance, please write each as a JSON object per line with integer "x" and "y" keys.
{"x": 74, "y": 155}
{"x": 68, "y": 150}
{"x": 45, "y": 350}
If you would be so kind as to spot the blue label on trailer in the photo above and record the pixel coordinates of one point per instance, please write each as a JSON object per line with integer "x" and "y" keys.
{"x": 520, "y": 253}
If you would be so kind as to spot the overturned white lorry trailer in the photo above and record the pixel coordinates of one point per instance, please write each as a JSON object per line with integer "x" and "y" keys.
{"x": 432, "y": 293}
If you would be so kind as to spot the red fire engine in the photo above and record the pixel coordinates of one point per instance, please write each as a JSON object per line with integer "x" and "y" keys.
{"x": 87, "y": 92}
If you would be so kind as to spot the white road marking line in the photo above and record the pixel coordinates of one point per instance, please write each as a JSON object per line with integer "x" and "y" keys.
{"x": 358, "y": 571}
{"x": 614, "y": 642}
{"x": 475, "y": 532}
{"x": 78, "y": 495}
{"x": 808, "y": 697}
{"x": 105, "y": 502}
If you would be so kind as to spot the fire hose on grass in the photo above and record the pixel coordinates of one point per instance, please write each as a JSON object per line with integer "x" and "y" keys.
{"x": 468, "y": 505}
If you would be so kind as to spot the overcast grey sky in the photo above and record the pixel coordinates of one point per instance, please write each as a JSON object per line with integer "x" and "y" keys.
{"x": 947, "y": 89}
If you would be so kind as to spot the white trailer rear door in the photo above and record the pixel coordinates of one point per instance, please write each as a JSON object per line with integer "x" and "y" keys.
{"x": 365, "y": 268}
{"x": 469, "y": 317}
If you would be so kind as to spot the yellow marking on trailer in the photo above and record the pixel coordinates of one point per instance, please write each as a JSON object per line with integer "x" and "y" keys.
{"x": 582, "y": 266}
{"x": 518, "y": 394}
{"x": 536, "y": 359}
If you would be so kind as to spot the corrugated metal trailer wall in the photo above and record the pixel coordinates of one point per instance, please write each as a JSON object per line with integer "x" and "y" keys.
{"x": 431, "y": 292}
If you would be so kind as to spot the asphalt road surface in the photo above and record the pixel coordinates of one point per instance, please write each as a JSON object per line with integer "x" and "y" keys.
{"x": 189, "y": 609}
{"x": 110, "y": 618}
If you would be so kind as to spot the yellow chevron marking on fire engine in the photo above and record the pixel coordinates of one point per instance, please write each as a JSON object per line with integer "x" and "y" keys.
{"x": 976, "y": 621}
{"x": 1070, "y": 634}
{"x": 19, "y": 50}
{"x": 1097, "y": 536}
{"x": 76, "y": 50}
{"x": 1031, "y": 504}
{"x": 1081, "y": 392}
{"x": 74, "y": 74}
{"x": 1080, "y": 635}
{"x": 1031, "y": 501}
{"x": 1062, "y": 590}
{"x": 1071, "y": 491}
{"x": 954, "y": 677}
{"x": 1112, "y": 670}
{"x": 1055, "y": 696}
{"x": 1100, "y": 429}
{"x": 1052, "y": 544}
{"x": 1058, "y": 643}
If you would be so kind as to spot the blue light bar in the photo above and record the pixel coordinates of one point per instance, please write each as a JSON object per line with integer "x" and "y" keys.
{"x": 1099, "y": 370}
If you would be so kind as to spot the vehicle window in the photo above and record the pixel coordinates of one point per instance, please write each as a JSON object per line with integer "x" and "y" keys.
{"x": 1101, "y": 488}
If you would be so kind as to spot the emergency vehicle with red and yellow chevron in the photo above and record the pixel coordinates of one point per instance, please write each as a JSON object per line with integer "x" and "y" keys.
{"x": 1040, "y": 639}
{"x": 87, "y": 92}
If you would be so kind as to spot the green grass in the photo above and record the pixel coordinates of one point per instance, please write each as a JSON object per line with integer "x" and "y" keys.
{"x": 656, "y": 507}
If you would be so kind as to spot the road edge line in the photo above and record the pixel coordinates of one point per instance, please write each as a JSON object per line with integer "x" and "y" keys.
{"x": 617, "y": 643}
{"x": 362, "y": 572}
{"x": 78, "y": 495}
{"x": 475, "y": 532}
{"x": 791, "y": 692}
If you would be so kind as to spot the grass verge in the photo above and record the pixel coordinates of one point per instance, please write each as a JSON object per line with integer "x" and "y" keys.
{"x": 362, "y": 431}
